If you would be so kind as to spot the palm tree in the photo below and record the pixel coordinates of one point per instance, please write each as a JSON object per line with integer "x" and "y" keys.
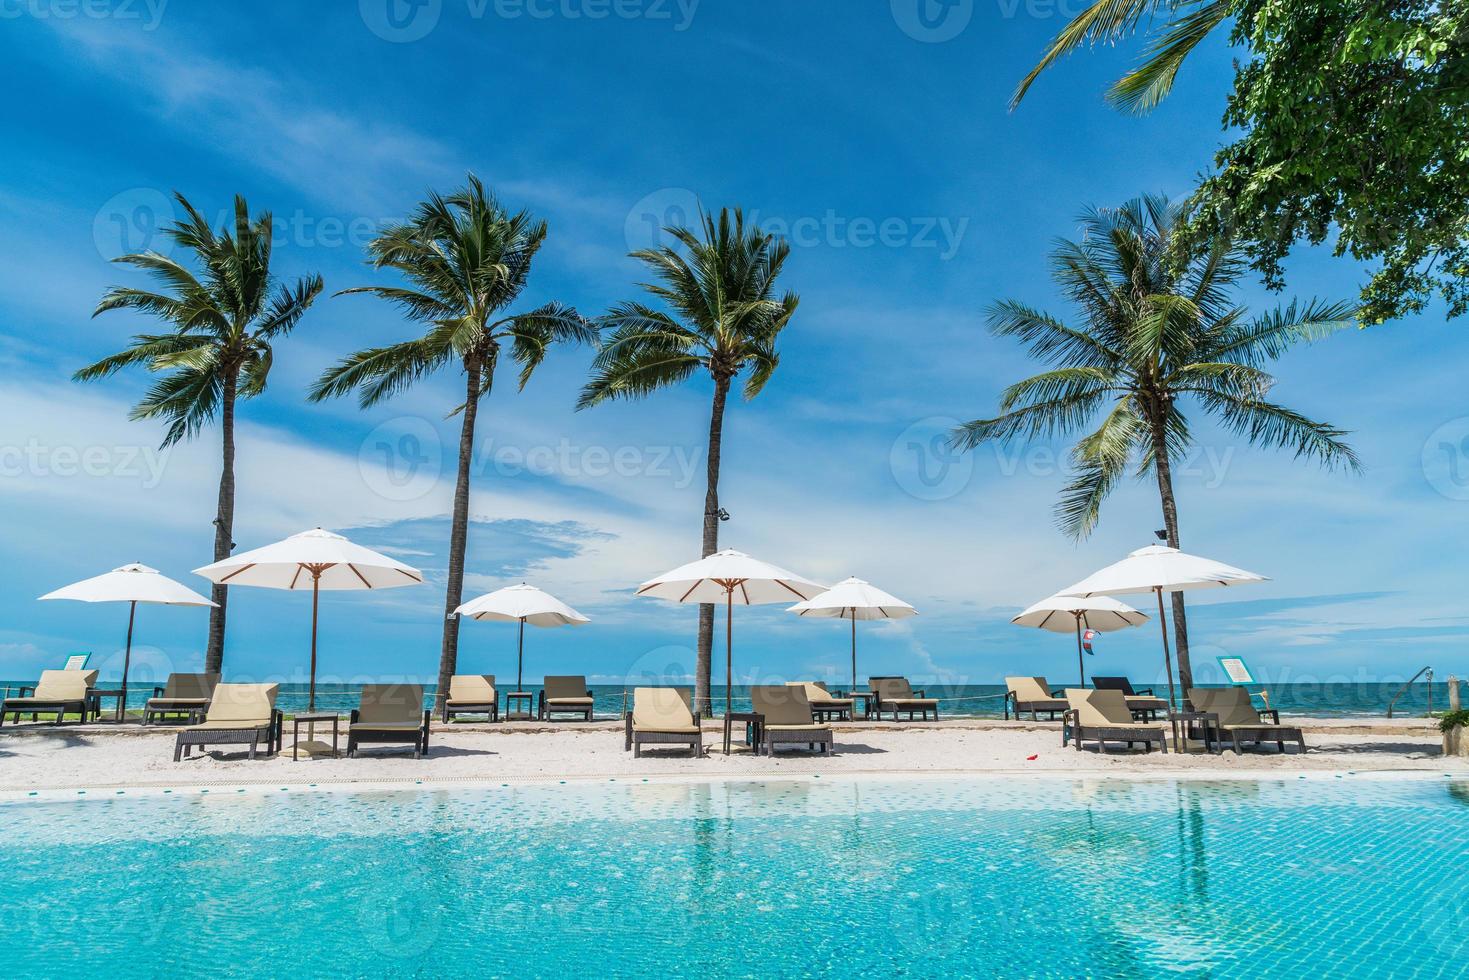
{"x": 1188, "y": 22}
{"x": 1154, "y": 331}
{"x": 465, "y": 258}
{"x": 224, "y": 320}
{"x": 722, "y": 318}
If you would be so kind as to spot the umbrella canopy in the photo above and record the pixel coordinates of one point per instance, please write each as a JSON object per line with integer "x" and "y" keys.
{"x": 854, "y": 599}
{"x": 521, "y": 604}
{"x": 1158, "y": 569}
{"x": 132, "y": 584}
{"x": 730, "y": 577}
{"x": 314, "y": 560}
{"x": 1063, "y": 614}
{"x": 1060, "y": 614}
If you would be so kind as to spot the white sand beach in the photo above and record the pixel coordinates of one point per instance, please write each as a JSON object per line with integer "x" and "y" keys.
{"x": 38, "y": 759}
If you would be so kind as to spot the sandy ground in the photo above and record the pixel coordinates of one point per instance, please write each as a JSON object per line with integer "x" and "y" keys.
{"x": 96, "y": 758}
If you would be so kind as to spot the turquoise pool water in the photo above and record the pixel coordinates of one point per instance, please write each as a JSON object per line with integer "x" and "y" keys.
{"x": 915, "y": 877}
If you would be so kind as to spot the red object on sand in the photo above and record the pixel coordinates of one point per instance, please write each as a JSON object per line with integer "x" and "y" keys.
{"x": 1031, "y": 758}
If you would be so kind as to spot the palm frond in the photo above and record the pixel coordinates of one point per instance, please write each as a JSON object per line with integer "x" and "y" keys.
{"x": 1036, "y": 419}
{"x": 1048, "y": 338}
{"x": 716, "y": 285}
{"x": 1100, "y": 460}
{"x": 1263, "y": 423}
{"x": 186, "y": 399}
{"x": 1104, "y": 20}
{"x": 1140, "y": 90}
{"x": 533, "y": 333}
{"x": 377, "y": 373}
{"x": 1274, "y": 333}
{"x": 288, "y": 306}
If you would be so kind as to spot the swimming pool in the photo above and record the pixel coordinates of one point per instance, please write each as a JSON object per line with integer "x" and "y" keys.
{"x": 923, "y": 877}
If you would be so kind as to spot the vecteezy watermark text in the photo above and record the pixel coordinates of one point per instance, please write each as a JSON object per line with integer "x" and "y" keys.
{"x": 403, "y": 459}
{"x": 135, "y": 220}
{"x": 926, "y": 464}
{"x": 37, "y": 459}
{"x": 675, "y": 207}
{"x": 404, "y": 21}
{"x": 148, "y": 12}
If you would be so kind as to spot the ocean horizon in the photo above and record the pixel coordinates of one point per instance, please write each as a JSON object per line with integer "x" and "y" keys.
{"x": 1306, "y": 699}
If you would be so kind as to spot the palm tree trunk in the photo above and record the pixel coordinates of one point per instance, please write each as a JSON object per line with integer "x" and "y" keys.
{"x": 224, "y": 521}
{"x": 1163, "y": 468}
{"x": 710, "y": 544}
{"x": 458, "y": 539}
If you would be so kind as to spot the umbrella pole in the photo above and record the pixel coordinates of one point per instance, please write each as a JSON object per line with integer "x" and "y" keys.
{"x": 127, "y": 658}
{"x": 1080, "y": 660}
{"x": 854, "y": 649}
{"x": 520, "y": 659}
{"x": 728, "y": 649}
{"x": 1167, "y": 661}
{"x": 311, "y": 691}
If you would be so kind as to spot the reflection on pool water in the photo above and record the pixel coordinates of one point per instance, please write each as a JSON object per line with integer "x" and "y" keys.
{"x": 930, "y": 877}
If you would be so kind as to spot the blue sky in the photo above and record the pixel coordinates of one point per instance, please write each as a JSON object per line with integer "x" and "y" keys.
{"x": 881, "y": 146}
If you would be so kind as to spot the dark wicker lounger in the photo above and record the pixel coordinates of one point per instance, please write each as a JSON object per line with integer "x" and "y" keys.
{"x": 825, "y": 707}
{"x": 895, "y": 694}
{"x": 472, "y": 694}
{"x": 239, "y": 714}
{"x": 390, "y": 714}
{"x": 58, "y": 692}
{"x": 1103, "y": 716}
{"x": 184, "y": 697}
{"x": 662, "y": 716}
{"x": 1240, "y": 721}
{"x": 565, "y": 696}
{"x": 1142, "y": 701}
{"x": 785, "y": 719}
{"x": 1032, "y": 695}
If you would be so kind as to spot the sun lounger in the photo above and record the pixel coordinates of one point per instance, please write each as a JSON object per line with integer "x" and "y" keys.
{"x": 786, "y": 719}
{"x": 1033, "y": 695}
{"x": 565, "y": 695}
{"x": 389, "y": 714}
{"x": 183, "y": 696}
{"x": 895, "y": 694}
{"x": 58, "y": 693}
{"x": 472, "y": 694}
{"x": 1239, "y": 719}
{"x": 239, "y": 714}
{"x": 823, "y": 705}
{"x": 662, "y": 716}
{"x": 1103, "y": 716}
{"x": 1144, "y": 704}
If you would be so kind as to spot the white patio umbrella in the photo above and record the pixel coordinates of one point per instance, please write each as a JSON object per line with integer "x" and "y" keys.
{"x": 730, "y": 577}
{"x": 522, "y": 604}
{"x": 1062, "y": 614}
{"x": 854, "y": 599}
{"x": 1160, "y": 569}
{"x": 132, "y": 584}
{"x": 314, "y": 560}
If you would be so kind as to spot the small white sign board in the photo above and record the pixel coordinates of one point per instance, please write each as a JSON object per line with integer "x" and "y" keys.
{"x": 1236, "y": 671}
{"x": 77, "y": 661}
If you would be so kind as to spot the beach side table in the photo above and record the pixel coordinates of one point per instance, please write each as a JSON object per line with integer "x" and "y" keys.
{"x": 311, "y": 721}
{"x": 512, "y": 713}
{"x": 1209, "y": 727}
{"x": 94, "y": 701}
{"x": 752, "y": 721}
{"x": 866, "y": 697}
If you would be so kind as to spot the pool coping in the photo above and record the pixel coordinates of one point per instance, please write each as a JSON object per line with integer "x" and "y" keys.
{"x": 235, "y": 789}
